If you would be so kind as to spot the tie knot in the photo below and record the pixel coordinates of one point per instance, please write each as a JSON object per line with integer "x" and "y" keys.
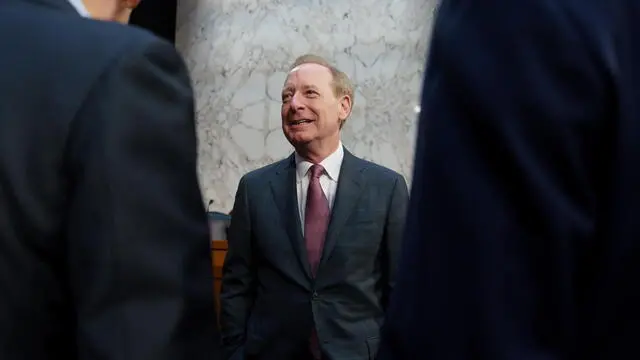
{"x": 316, "y": 171}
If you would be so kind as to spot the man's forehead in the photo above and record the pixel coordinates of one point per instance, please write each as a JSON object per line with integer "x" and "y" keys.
{"x": 309, "y": 74}
{"x": 310, "y": 68}
{"x": 295, "y": 69}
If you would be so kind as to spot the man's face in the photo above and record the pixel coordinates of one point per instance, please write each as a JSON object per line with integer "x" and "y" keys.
{"x": 310, "y": 110}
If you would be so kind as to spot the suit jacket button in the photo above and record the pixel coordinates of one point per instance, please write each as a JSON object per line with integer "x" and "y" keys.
{"x": 314, "y": 296}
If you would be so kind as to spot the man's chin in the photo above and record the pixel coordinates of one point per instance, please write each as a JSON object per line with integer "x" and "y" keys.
{"x": 299, "y": 139}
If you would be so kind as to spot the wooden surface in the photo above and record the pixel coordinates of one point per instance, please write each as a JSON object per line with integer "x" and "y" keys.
{"x": 218, "y": 253}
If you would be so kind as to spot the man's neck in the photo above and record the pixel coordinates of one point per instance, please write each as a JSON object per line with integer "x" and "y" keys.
{"x": 317, "y": 154}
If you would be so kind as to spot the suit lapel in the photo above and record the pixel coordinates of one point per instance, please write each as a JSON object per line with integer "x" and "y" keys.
{"x": 285, "y": 195}
{"x": 350, "y": 185}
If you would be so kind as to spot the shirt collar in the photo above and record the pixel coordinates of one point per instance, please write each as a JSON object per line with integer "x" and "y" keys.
{"x": 331, "y": 164}
{"x": 80, "y": 8}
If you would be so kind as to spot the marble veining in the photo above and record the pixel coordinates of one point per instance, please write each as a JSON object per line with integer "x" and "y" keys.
{"x": 238, "y": 52}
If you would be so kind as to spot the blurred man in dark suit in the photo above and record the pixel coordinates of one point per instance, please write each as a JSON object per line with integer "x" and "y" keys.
{"x": 104, "y": 247}
{"x": 523, "y": 240}
{"x": 313, "y": 239}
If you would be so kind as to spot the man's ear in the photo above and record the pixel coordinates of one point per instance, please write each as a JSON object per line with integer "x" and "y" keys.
{"x": 130, "y": 4}
{"x": 345, "y": 108}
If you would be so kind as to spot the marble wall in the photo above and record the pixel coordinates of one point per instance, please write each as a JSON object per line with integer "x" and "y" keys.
{"x": 238, "y": 52}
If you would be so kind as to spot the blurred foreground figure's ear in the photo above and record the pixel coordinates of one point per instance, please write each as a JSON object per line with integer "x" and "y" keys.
{"x": 130, "y": 4}
{"x": 125, "y": 8}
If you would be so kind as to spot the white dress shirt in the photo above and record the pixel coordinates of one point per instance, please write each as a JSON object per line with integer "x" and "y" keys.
{"x": 80, "y": 8}
{"x": 328, "y": 180}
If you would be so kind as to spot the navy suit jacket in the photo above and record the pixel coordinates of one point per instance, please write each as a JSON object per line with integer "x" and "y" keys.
{"x": 523, "y": 239}
{"x": 104, "y": 245}
{"x": 269, "y": 299}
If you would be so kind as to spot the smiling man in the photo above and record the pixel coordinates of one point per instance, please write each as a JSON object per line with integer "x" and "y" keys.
{"x": 314, "y": 238}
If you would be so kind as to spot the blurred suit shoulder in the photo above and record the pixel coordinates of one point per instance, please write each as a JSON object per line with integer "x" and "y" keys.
{"x": 67, "y": 34}
{"x": 64, "y": 51}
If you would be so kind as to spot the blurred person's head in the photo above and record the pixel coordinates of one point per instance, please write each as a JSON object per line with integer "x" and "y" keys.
{"x": 111, "y": 10}
{"x": 317, "y": 99}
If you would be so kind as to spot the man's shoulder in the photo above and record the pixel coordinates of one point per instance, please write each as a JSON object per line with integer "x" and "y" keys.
{"x": 69, "y": 55}
{"x": 377, "y": 172}
{"x": 103, "y": 39}
{"x": 67, "y": 39}
{"x": 266, "y": 172}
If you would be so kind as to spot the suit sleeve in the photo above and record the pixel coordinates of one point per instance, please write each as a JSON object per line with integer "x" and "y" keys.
{"x": 238, "y": 279}
{"x": 504, "y": 183}
{"x": 137, "y": 236}
{"x": 394, "y": 227}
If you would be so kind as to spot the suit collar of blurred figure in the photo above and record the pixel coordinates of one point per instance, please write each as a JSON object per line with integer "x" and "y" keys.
{"x": 63, "y": 5}
{"x": 122, "y": 14}
{"x": 79, "y": 6}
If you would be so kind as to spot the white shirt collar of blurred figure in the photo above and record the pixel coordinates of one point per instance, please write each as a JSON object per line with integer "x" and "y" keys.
{"x": 80, "y": 8}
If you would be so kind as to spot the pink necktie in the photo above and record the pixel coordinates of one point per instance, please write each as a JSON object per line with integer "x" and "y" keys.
{"x": 316, "y": 218}
{"x": 316, "y": 221}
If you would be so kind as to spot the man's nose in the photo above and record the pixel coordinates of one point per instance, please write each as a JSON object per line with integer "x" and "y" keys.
{"x": 296, "y": 102}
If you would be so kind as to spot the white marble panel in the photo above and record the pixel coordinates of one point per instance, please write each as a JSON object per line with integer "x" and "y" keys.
{"x": 238, "y": 52}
